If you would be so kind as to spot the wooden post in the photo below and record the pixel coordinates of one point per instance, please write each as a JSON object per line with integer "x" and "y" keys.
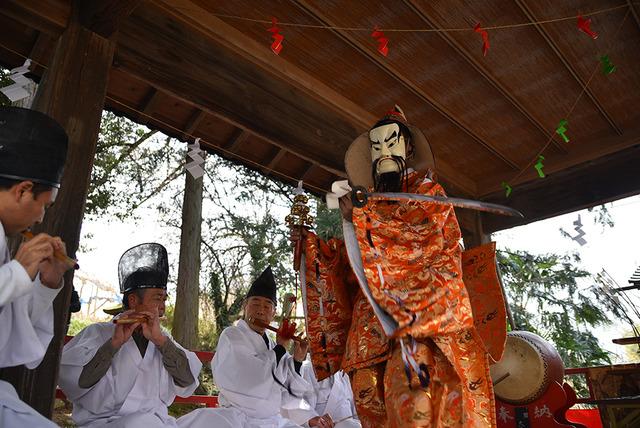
{"x": 72, "y": 91}
{"x": 185, "y": 317}
{"x": 473, "y": 234}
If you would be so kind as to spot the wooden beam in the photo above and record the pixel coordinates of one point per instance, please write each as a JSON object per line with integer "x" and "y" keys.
{"x": 193, "y": 123}
{"x": 593, "y": 183}
{"x": 634, "y": 12}
{"x": 42, "y": 50}
{"x": 558, "y": 52}
{"x": 47, "y": 16}
{"x": 485, "y": 73}
{"x": 72, "y": 91}
{"x": 238, "y": 137}
{"x": 274, "y": 161}
{"x": 202, "y": 20}
{"x": 590, "y": 150}
{"x": 104, "y": 17}
{"x": 149, "y": 104}
{"x": 307, "y": 172}
{"x": 319, "y": 16}
{"x": 474, "y": 236}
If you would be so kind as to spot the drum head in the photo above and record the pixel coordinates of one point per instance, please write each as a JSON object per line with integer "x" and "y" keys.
{"x": 531, "y": 364}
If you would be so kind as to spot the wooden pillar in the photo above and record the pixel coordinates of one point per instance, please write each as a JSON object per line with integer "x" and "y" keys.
{"x": 472, "y": 233}
{"x": 185, "y": 318}
{"x": 72, "y": 91}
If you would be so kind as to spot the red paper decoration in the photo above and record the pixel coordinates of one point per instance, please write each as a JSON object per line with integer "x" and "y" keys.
{"x": 382, "y": 41}
{"x": 276, "y": 46}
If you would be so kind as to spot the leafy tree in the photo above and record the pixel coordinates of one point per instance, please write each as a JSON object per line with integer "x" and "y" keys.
{"x": 546, "y": 297}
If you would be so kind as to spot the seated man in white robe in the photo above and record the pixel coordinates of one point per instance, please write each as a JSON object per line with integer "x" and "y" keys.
{"x": 127, "y": 372}
{"x": 330, "y": 400}
{"x": 250, "y": 370}
{"x": 33, "y": 149}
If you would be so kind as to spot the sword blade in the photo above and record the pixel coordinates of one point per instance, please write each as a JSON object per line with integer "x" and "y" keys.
{"x": 443, "y": 200}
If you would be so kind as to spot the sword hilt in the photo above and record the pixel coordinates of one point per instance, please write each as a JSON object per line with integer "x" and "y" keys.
{"x": 359, "y": 196}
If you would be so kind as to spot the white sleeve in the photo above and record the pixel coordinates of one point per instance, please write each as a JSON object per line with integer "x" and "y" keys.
{"x": 75, "y": 355}
{"x": 27, "y": 327}
{"x": 238, "y": 369}
{"x": 14, "y": 282}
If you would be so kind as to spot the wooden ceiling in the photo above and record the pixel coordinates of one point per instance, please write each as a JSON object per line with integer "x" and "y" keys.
{"x": 189, "y": 69}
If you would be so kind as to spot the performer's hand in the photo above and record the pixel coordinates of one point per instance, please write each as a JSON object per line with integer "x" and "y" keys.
{"x": 284, "y": 341}
{"x": 297, "y": 233}
{"x": 300, "y": 350}
{"x": 151, "y": 329}
{"x": 346, "y": 207}
{"x": 321, "y": 421}
{"x": 33, "y": 252}
{"x": 123, "y": 332}
{"x": 52, "y": 268}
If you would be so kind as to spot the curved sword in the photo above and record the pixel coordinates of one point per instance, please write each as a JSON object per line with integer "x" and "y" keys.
{"x": 360, "y": 197}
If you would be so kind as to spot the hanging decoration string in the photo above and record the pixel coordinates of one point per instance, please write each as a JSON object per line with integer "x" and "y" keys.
{"x": 416, "y": 30}
{"x": 573, "y": 106}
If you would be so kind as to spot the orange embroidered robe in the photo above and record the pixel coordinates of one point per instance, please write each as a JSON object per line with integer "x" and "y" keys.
{"x": 407, "y": 259}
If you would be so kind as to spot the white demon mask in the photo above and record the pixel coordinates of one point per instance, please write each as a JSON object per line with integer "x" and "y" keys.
{"x": 387, "y": 142}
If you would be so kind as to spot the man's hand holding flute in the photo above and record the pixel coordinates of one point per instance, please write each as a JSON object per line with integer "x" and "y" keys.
{"x": 46, "y": 255}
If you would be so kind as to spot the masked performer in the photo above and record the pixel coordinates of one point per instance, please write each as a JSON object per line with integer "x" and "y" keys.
{"x": 389, "y": 305}
{"x": 125, "y": 373}
{"x": 33, "y": 149}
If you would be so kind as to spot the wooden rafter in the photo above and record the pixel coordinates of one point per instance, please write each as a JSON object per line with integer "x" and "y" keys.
{"x": 193, "y": 123}
{"x": 150, "y": 103}
{"x": 482, "y": 70}
{"x": 274, "y": 161}
{"x": 239, "y": 136}
{"x": 405, "y": 81}
{"x": 558, "y": 52}
{"x": 103, "y": 17}
{"x": 189, "y": 12}
{"x": 307, "y": 172}
{"x": 634, "y": 12}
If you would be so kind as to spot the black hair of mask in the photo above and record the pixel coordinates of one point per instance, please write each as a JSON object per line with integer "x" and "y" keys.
{"x": 33, "y": 146}
{"x": 264, "y": 286}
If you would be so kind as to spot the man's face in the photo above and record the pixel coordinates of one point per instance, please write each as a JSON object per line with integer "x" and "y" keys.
{"x": 387, "y": 142}
{"x": 152, "y": 298}
{"x": 260, "y": 308}
{"x": 26, "y": 210}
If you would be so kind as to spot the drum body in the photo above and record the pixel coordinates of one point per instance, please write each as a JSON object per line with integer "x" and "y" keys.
{"x": 529, "y": 364}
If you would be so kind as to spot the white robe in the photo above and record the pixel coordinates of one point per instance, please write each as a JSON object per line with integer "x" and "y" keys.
{"x": 332, "y": 396}
{"x": 134, "y": 392}
{"x": 26, "y": 320}
{"x": 243, "y": 370}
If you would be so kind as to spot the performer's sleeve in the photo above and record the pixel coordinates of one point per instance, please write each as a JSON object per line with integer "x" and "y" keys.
{"x": 14, "y": 282}
{"x": 175, "y": 361}
{"x": 238, "y": 369}
{"x": 97, "y": 367}
{"x": 77, "y": 354}
{"x": 191, "y": 363}
{"x": 27, "y": 324}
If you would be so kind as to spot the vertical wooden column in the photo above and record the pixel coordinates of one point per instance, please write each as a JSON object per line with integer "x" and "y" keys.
{"x": 72, "y": 91}
{"x": 185, "y": 318}
{"x": 472, "y": 232}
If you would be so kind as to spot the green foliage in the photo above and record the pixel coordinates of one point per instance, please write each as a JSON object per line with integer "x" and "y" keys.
{"x": 132, "y": 165}
{"x": 78, "y": 324}
{"x": 328, "y": 222}
{"x": 546, "y": 298}
{"x": 245, "y": 234}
